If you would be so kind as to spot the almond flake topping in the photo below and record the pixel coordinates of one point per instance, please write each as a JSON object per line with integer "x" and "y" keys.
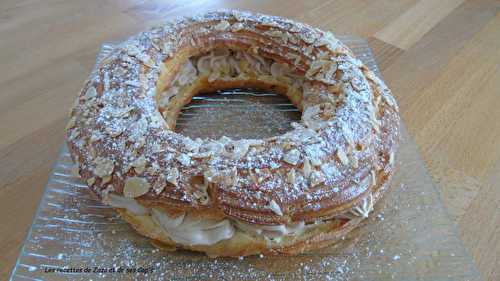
{"x": 135, "y": 187}
{"x": 391, "y": 158}
{"x": 159, "y": 184}
{"x": 306, "y": 169}
{"x": 90, "y": 93}
{"x": 90, "y": 181}
{"x": 275, "y": 208}
{"x": 104, "y": 167}
{"x": 172, "y": 175}
{"x": 184, "y": 159}
{"x": 240, "y": 149}
{"x": 222, "y": 25}
{"x": 342, "y": 156}
{"x": 291, "y": 176}
{"x": 316, "y": 178}
{"x": 374, "y": 177}
{"x": 292, "y": 157}
{"x": 316, "y": 162}
{"x": 139, "y": 164}
{"x": 237, "y": 26}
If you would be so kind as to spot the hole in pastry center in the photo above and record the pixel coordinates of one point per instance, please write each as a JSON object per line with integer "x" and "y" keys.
{"x": 238, "y": 114}
{"x": 231, "y": 93}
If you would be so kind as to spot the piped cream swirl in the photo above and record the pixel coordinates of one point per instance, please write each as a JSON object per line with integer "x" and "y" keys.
{"x": 184, "y": 229}
{"x": 190, "y": 230}
{"x": 272, "y": 231}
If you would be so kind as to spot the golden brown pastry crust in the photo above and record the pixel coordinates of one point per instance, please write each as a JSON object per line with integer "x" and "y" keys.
{"x": 347, "y": 138}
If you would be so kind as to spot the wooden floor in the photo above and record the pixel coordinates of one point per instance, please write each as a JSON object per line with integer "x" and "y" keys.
{"x": 441, "y": 59}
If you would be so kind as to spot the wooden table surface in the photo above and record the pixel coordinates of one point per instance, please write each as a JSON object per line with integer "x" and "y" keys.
{"x": 440, "y": 58}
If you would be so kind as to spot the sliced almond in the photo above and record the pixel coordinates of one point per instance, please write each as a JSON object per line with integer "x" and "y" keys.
{"x": 391, "y": 158}
{"x": 292, "y": 157}
{"x": 135, "y": 187}
{"x": 139, "y": 164}
{"x": 222, "y": 25}
{"x": 357, "y": 85}
{"x": 316, "y": 162}
{"x": 192, "y": 146}
{"x": 240, "y": 149}
{"x": 184, "y": 159}
{"x": 306, "y": 169}
{"x": 291, "y": 176}
{"x": 378, "y": 99}
{"x": 172, "y": 175}
{"x": 104, "y": 167}
{"x": 374, "y": 177}
{"x": 275, "y": 208}
{"x": 314, "y": 68}
{"x": 237, "y": 26}
{"x": 90, "y": 93}
{"x": 240, "y": 16}
{"x": 159, "y": 184}
{"x": 316, "y": 178}
{"x": 90, "y": 181}
{"x": 342, "y": 156}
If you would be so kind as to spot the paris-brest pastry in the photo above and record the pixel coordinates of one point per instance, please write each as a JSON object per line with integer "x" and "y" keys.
{"x": 285, "y": 194}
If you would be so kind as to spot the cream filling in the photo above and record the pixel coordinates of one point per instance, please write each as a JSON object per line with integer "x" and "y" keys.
{"x": 187, "y": 229}
{"x": 190, "y": 230}
{"x": 225, "y": 65}
{"x": 278, "y": 231}
{"x": 184, "y": 229}
{"x": 272, "y": 231}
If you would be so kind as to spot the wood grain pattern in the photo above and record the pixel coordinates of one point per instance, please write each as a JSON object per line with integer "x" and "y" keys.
{"x": 414, "y": 23}
{"x": 479, "y": 226}
{"x": 441, "y": 59}
{"x": 385, "y": 54}
{"x": 455, "y": 112}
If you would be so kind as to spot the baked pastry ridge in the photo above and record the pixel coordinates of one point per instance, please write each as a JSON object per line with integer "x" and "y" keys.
{"x": 226, "y": 197}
